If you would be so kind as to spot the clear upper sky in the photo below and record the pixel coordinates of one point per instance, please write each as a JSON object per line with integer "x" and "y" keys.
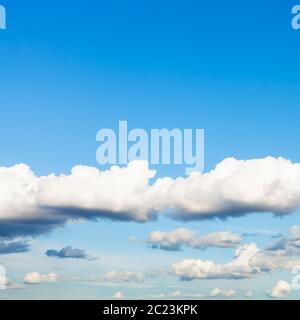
{"x": 68, "y": 69}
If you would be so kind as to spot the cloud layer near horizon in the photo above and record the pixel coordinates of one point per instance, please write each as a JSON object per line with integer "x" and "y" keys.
{"x": 31, "y": 205}
{"x": 249, "y": 260}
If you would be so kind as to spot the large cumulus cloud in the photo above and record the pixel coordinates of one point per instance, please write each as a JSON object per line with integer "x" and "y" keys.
{"x": 30, "y": 204}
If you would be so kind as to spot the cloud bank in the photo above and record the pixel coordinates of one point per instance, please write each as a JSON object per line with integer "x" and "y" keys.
{"x": 249, "y": 261}
{"x": 30, "y": 205}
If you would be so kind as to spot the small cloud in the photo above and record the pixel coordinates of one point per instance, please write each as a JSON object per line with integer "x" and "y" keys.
{"x": 118, "y": 295}
{"x": 289, "y": 243}
{"x": 68, "y": 252}
{"x": 37, "y": 278}
{"x": 123, "y": 276}
{"x": 219, "y": 293}
{"x": 176, "y": 239}
{"x": 119, "y": 277}
{"x": 239, "y": 268}
{"x": 249, "y": 294}
{"x": 281, "y": 290}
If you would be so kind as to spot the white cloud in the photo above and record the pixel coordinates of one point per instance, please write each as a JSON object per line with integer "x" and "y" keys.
{"x": 270, "y": 261}
{"x": 180, "y": 295}
{"x": 218, "y": 293}
{"x": 281, "y": 290}
{"x": 249, "y": 260}
{"x": 118, "y": 295}
{"x": 123, "y": 276}
{"x": 118, "y": 192}
{"x": 235, "y": 187}
{"x": 240, "y": 267}
{"x": 30, "y": 204}
{"x": 18, "y": 189}
{"x": 37, "y": 278}
{"x": 249, "y": 294}
{"x": 174, "y": 240}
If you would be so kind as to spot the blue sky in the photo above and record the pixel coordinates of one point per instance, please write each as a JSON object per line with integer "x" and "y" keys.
{"x": 67, "y": 71}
